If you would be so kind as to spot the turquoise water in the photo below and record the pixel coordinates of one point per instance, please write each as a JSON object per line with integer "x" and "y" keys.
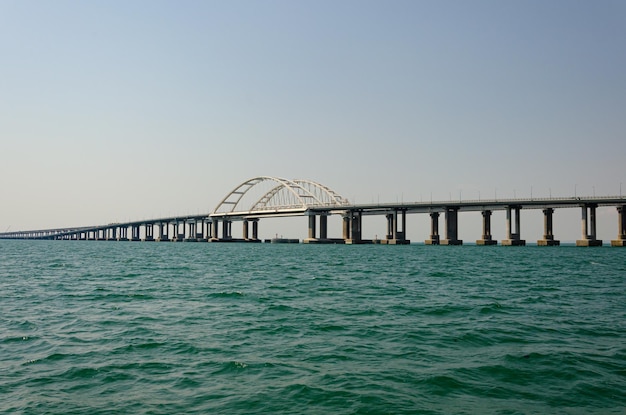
{"x": 149, "y": 328}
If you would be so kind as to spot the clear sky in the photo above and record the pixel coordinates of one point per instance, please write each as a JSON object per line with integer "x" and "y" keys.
{"x": 123, "y": 110}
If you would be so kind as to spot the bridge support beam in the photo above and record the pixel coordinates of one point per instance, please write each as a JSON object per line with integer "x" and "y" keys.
{"x": 202, "y": 235}
{"x": 513, "y": 235}
{"x": 312, "y": 230}
{"x": 548, "y": 235}
{"x": 163, "y": 232}
{"x": 589, "y": 227}
{"x": 149, "y": 237}
{"x": 226, "y": 230}
{"x": 192, "y": 234}
{"x": 323, "y": 226}
{"x": 621, "y": 227}
{"x": 323, "y": 230}
{"x": 209, "y": 230}
{"x": 255, "y": 230}
{"x": 123, "y": 235}
{"x": 434, "y": 229}
{"x": 352, "y": 227}
{"x": 214, "y": 227}
{"x": 395, "y": 236}
{"x": 452, "y": 227}
{"x": 177, "y": 235}
{"x": 487, "y": 238}
{"x": 135, "y": 233}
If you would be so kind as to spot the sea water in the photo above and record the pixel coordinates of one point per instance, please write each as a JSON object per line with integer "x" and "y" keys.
{"x": 163, "y": 328}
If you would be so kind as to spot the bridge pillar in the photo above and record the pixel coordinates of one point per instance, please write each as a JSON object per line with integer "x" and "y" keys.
{"x": 135, "y": 233}
{"x": 355, "y": 224}
{"x": 346, "y": 226}
{"x": 395, "y": 236}
{"x": 149, "y": 232}
{"x": 621, "y": 227}
{"x": 209, "y": 229}
{"x": 513, "y": 235}
{"x": 245, "y": 229}
{"x": 434, "y": 229}
{"x": 226, "y": 229}
{"x": 255, "y": 230}
{"x": 589, "y": 227}
{"x": 323, "y": 226}
{"x": 389, "y": 217}
{"x": 202, "y": 235}
{"x": 163, "y": 232}
{"x": 487, "y": 238}
{"x": 312, "y": 236}
{"x": 176, "y": 236}
{"x": 312, "y": 222}
{"x": 192, "y": 227}
{"x": 123, "y": 236}
{"x": 548, "y": 235}
{"x": 214, "y": 226}
{"x": 452, "y": 229}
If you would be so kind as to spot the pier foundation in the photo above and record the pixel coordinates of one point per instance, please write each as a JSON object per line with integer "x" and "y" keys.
{"x": 192, "y": 234}
{"x": 487, "y": 238}
{"x": 352, "y": 227}
{"x": 589, "y": 235}
{"x": 548, "y": 236}
{"x": 513, "y": 235}
{"x": 452, "y": 230}
{"x": 323, "y": 230}
{"x": 149, "y": 228}
{"x": 621, "y": 227}
{"x": 434, "y": 229}
{"x": 163, "y": 232}
{"x": 395, "y": 236}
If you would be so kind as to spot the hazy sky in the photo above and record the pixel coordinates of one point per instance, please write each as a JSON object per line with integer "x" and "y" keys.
{"x": 122, "y": 110}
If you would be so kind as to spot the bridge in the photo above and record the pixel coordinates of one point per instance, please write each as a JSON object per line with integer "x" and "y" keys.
{"x": 265, "y": 196}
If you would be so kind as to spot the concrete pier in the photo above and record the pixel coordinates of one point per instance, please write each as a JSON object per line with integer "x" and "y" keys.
{"x": 486, "y": 239}
{"x": 226, "y": 230}
{"x": 513, "y": 235}
{"x": 176, "y": 234}
{"x": 452, "y": 227}
{"x": 621, "y": 227}
{"x": 135, "y": 233}
{"x": 324, "y": 226}
{"x": 312, "y": 227}
{"x": 149, "y": 229}
{"x": 548, "y": 236}
{"x": 395, "y": 236}
{"x": 214, "y": 230}
{"x": 589, "y": 235}
{"x": 255, "y": 230}
{"x": 434, "y": 229}
{"x": 123, "y": 235}
{"x": 163, "y": 231}
{"x": 192, "y": 234}
{"x": 353, "y": 225}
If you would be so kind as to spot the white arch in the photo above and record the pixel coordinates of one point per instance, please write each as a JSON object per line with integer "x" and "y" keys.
{"x": 287, "y": 194}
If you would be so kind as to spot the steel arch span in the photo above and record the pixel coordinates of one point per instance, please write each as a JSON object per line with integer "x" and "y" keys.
{"x": 266, "y": 193}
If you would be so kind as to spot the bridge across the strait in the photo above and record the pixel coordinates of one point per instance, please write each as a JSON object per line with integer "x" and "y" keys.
{"x": 263, "y": 197}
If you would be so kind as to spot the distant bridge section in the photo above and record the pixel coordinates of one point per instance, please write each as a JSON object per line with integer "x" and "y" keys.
{"x": 266, "y": 196}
